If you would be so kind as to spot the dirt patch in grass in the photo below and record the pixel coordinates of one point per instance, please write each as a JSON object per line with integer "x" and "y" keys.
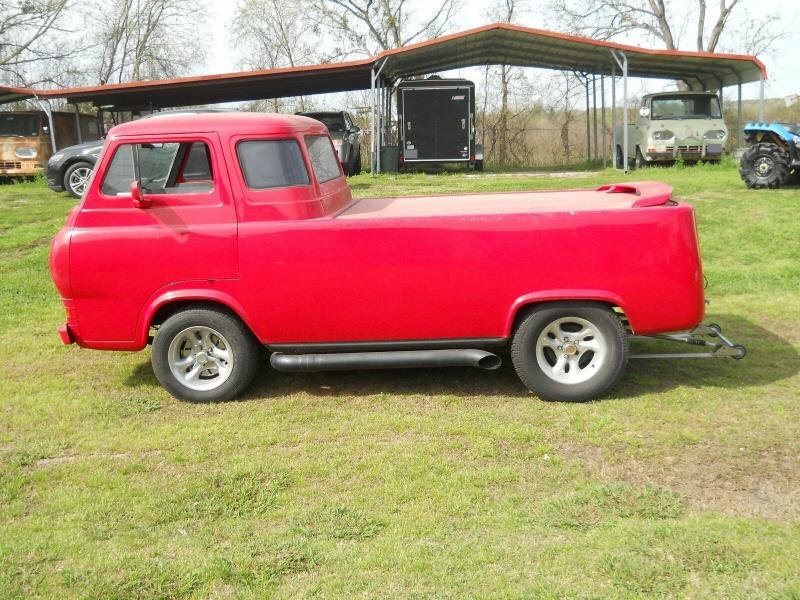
{"x": 725, "y": 480}
{"x": 60, "y": 460}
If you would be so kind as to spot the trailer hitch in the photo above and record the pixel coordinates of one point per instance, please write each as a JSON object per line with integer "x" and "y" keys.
{"x": 708, "y": 336}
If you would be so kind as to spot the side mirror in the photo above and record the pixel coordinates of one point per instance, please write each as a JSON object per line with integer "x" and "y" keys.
{"x": 355, "y": 129}
{"x": 139, "y": 201}
{"x": 644, "y": 112}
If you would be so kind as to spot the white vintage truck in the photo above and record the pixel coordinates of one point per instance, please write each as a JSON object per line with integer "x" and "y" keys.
{"x": 673, "y": 124}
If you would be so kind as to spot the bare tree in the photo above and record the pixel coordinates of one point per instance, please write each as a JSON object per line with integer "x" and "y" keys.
{"x": 146, "y": 39}
{"x": 368, "y": 26}
{"x": 605, "y": 19}
{"x": 27, "y": 38}
{"x": 270, "y": 34}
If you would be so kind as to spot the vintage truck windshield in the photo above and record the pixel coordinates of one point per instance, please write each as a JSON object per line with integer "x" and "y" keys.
{"x": 685, "y": 107}
{"x": 19, "y": 125}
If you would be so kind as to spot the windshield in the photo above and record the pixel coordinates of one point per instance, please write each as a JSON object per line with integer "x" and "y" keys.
{"x": 19, "y": 125}
{"x": 332, "y": 122}
{"x": 685, "y": 107}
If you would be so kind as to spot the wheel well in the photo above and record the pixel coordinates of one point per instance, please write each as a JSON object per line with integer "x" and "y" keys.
{"x": 527, "y": 309}
{"x": 766, "y": 137}
{"x": 165, "y": 311}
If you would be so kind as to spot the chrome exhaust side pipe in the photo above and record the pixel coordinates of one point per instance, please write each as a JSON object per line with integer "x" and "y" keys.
{"x": 402, "y": 359}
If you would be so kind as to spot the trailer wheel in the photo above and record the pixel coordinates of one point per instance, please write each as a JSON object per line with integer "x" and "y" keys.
{"x": 571, "y": 351}
{"x": 764, "y": 166}
{"x": 204, "y": 355}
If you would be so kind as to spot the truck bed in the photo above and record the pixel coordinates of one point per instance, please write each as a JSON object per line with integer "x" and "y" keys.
{"x": 607, "y": 197}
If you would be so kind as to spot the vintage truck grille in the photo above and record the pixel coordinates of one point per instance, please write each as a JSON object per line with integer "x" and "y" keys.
{"x": 9, "y": 164}
{"x": 686, "y": 149}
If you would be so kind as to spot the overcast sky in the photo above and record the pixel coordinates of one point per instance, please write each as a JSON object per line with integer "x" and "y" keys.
{"x": 783, "y": 77}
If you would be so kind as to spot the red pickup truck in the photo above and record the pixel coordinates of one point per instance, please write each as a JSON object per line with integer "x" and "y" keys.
{"x": 214, "y": 235}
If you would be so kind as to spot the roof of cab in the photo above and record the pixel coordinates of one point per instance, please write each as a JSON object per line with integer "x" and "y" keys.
{"x": 223, "y": 122}
{"x": 679, "y": 93}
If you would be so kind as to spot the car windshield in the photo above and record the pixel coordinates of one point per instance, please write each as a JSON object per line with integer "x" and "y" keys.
{"x": 685, "y": 107}
{"x": 332, "y": 122}
{"x": 19, "y": 125}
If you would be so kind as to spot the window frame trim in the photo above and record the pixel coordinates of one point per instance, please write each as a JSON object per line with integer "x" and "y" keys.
{"x": 312, "y": 180}
{"x": 135, "y": 141}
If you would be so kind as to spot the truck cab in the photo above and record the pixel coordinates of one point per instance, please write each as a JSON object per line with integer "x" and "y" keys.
{"x": 670, "y": 125}
{"x": 26, "y": 142}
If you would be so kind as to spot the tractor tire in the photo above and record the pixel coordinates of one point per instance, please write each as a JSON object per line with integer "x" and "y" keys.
{"x": 764, "y": 166}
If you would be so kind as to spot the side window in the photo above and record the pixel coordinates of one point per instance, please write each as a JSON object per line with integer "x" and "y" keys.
{"x": 323, "y": 158}
{"x": 164, "y": 168}
{"x": 120, "y": 173}
{"x": 272, "y": 164}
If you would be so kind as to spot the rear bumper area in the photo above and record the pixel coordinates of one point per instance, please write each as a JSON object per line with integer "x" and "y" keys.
{"x": 66, "y": 336}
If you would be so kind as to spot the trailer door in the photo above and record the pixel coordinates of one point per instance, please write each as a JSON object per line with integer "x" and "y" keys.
{"x": 436, "y": 124}
{"x": 452, "y": 123}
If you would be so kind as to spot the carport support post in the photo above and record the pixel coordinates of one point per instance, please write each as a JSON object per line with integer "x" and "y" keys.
{"x": 78, "y": 124}
{"x": 588, "y": 120}
{"x": 739, "y": 116}
{"x": 372, "y": 122}
{"x": 623, "y": 64}
{"x": 614, "y": 115}
{"x": 603, "y": 116}
{"x": 374, "y": 82}
{"x": 594, "y": 112}
{"x": 48, "y": 110}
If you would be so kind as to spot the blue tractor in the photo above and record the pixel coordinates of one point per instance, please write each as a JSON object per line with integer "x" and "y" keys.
{"x": 773, "y": 158}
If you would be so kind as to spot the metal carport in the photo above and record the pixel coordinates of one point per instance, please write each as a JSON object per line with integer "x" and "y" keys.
{"x": 499, "y": 43}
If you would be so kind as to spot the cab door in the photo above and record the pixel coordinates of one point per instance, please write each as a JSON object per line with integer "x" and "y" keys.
{"x": 122, "y": 254}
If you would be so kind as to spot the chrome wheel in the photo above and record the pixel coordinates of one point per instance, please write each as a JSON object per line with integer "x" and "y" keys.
{"x": 78, "y": 180}
{"x": 571, "y": 350}
{"x": 200, "y": 358}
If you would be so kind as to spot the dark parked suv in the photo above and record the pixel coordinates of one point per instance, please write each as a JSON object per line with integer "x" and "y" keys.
{"x": 346, "y": 137}
{"x": 69, "y": 168}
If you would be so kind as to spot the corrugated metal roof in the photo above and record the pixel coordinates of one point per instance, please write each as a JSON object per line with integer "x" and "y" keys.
{"x": 500, "y": 43}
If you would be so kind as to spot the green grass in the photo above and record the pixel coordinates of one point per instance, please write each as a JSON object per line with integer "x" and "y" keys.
{"x": 684, "y": 482}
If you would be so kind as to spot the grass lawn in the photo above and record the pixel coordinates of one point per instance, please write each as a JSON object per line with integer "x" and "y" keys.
{"x": 684, "y": 482}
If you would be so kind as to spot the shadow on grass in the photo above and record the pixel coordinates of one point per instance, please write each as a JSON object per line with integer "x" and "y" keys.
{"x": 770, "y": 358}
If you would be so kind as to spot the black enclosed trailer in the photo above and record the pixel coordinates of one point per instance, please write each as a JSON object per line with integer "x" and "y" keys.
{"x": 437, "y": 122}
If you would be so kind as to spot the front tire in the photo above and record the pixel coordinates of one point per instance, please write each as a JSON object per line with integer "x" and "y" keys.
{"x": 570, "y": 352}
{"x": 619, "y": 159}
{"x": 204, "y": 355}
{"x": 355, "y": 169}
{"x": 641, "y": 163}
{"x": 76, "y": 178}
{"x": 764, "y": 166}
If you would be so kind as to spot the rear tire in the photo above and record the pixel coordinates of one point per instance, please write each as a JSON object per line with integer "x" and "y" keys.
{"x": 570, "y": 351}
{"x": 764, "y": 165}
{"x": 204, "y": 355}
